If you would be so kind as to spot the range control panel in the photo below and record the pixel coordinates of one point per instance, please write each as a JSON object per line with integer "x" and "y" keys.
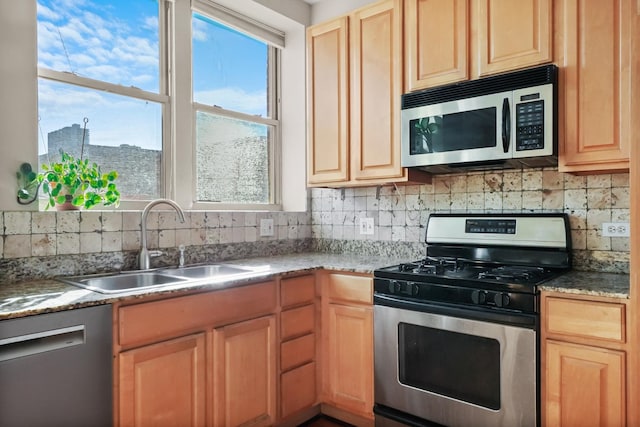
{"x": 497, "y": 226}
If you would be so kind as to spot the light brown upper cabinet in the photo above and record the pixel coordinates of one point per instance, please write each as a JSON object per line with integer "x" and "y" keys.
{"x": 354, "y": 83}
{"x": 328, "y": 97}
{"x": 511, "y": 34}
{"x": 594, "y": 42}
{"x": 453, "y": 40}
{"x": 436, "y": 38}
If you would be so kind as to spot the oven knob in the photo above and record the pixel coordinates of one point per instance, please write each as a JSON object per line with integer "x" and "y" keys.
{"x": 394, "y": 287}
{"x": 501, "y": 300}
{"x": 415, "y": 289}
{"x": 479, "y": 297}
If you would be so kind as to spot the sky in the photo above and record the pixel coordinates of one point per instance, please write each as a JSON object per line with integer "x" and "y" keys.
{"x": 117, "y": 41}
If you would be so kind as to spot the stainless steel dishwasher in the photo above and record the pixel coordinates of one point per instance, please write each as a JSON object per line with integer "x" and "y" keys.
{"x": 56, "y": 369}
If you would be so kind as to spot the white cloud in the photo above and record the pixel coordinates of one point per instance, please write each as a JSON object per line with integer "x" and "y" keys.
{"x": 98, "y": 44}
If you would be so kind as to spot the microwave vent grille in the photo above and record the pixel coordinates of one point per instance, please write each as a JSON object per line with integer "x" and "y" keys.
{"x": 487, "y": 85}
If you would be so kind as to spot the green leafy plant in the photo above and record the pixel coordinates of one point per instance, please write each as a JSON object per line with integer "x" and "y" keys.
{"x": 75, "y": 181}
{"x": 28, "y": 183}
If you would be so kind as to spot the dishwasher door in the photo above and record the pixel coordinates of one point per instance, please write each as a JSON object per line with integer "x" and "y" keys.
{"x": 56, "y": 369}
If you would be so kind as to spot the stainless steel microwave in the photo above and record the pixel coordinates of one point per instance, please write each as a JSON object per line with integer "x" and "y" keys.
{"x": 503, "y": 121}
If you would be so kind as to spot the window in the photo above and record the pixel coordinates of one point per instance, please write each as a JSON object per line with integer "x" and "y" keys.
{"x": 106, "y": 88}
{"x": 99, "y": 88}
{"x": 235, "y": 100}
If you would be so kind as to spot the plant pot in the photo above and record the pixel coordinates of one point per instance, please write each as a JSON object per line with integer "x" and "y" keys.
{"x": 67, "y": 205}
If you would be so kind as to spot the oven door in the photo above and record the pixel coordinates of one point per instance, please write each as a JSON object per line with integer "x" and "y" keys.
{"x": 448, "y": 366}
{"x": 465, "y": 131}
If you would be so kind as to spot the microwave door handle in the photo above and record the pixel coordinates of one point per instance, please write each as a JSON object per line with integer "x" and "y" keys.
{"x": 506, "y": 125}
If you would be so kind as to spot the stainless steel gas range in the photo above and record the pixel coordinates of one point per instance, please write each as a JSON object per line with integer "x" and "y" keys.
{"x": 456, "y": 335}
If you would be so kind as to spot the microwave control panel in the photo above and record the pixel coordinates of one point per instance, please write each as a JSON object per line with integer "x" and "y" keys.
{"x": 530, "y": 125}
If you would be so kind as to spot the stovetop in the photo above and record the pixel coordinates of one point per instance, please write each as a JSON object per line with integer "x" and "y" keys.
{"x": 457, "y": 269}
{"x": 493, "y": 261}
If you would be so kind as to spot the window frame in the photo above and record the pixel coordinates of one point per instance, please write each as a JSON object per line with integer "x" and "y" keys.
{"x": 178, "y": 127}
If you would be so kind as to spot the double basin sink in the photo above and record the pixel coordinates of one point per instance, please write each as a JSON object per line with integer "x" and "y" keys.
{"x": 164, "y": 277}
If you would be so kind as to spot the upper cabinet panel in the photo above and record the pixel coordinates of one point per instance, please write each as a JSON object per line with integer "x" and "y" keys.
{"x": 376, "y": 87}
{"x": 594, "y": 52}
{"x": 436, "y": 42}
{"x": 512, "y": 34}
{"x": 328, "y": 95}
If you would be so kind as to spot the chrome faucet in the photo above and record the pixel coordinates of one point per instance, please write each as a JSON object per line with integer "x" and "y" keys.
{"x": 144, "y": 252}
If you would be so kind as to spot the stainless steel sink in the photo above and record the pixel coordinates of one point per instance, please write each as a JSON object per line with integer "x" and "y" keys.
{"x": 122, "y": 282}
{"x": 212, "y": 271}
{"x": 115, "y": 283}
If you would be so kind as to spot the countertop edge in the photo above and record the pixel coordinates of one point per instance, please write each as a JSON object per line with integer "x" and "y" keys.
{"x": 49, "y": 295}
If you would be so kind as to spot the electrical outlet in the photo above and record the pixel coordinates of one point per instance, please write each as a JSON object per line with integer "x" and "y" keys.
{"x": 615, "y": 229}
{"x": 366, "y": 225}
{"x": 266, "y": 227}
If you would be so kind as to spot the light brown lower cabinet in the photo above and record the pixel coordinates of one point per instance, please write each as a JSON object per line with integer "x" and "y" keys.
{"x": 271, "y": 353}
{"x": 583, "y": 361}
{"x": 348, "y": 343}
{"x": 585, "y": 386}
{"x": 164, "y": 384}
{"x": 205, "y": 359}
{"x": 244, "y": 373}
{"x": 298, "y": 367}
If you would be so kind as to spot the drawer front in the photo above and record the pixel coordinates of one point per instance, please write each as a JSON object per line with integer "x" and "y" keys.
{"x": 351, "y": 288}
{"x": 298, "y": 321}
{"x": 298, "y": 389}
{"x": 297, "y": 290}
{"x": 152, "y": 321}
{"x": 297, "y": 352}
{"x": 587, "y": 319}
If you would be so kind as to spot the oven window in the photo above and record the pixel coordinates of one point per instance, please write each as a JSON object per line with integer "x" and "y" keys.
{"x": 454, "y": 132}
{"x": 460, "y": 366}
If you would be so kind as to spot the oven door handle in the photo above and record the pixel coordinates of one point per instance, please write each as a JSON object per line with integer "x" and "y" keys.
{"x": 514, "y": 319}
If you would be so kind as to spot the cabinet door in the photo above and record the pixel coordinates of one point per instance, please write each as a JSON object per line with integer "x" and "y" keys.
{"x": 584, "y": 386}
{"x": 436, "y": 42}
{"x": 594, "y": 52}
{"x": 376, "y": 87}
{"x": 244, "y": 373}
{"x": 328, "y": 98}
{"x": 350, "y": 364}
{"x": 163, "y": 384}
{"x": 512, "y": 34}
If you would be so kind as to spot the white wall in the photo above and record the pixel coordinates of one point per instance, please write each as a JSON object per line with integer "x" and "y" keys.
{"x": 18, "y": 96}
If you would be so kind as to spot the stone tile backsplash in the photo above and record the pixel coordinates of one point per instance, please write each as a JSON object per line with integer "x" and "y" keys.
{"x": 44, "y": 244}
{"x": 43, "y": 234}
{"x": 400, "y": 214}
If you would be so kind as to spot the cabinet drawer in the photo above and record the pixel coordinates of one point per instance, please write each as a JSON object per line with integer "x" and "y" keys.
{"x": 588, "y": 319}
{"x": 351, "y": 288}
{"x": 297, "y": 290}
{"x": 297, "y": 352}
{"x": 152, "y": 321}
{"x": 298, "y": 321}
{"x": 298, "y": 388}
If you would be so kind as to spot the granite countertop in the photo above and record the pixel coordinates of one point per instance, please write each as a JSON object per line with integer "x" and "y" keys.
{"x": 42, "y": 296}
{"x": 590, "y": 283}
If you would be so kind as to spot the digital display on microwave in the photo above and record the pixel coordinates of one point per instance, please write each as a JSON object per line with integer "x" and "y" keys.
{"x": 454, "y": 132}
